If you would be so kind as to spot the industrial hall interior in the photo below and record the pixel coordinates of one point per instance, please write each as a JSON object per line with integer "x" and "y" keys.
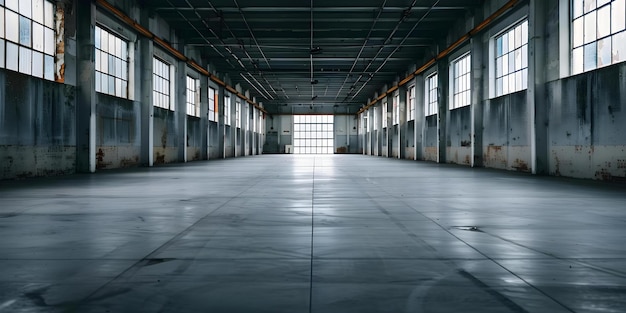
{"x": 312, "y": 156}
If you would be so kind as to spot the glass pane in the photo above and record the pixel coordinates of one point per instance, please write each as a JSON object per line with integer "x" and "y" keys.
{"x": 589, "y": 5}
{"x": 578, "y": 32}
{"x": 26, "y": 64}
{"x": 12, "y": 4}
{"x": 525, "y": 56}
{"x": 505, "y": 85}
{"x": 97, "y": 37}
{"x": 577, "y": 60}
{"x": 37, "y": 69}
{"x": 38, "y": 42}
{"x": 577, "y": 8}
{"x": 48, "y": 72}
{"x": 48, "y": 14}
{"x": 619, "y": 47}
{"x": 12, "y": 56}
{"x": 48, "y": 41}
{"x": 111, "y": 68}
{"x": 25, "y": 31}
{"x": 518, "y": 59}
{"x": 524, "y": 78}
{"x": 118, "y": 87}
{"x": 499, "y": 87}
{"x": 1, "y": 53}
{"x": 591, "y": 57}
{"x": 518, "y": 36}
{"x": 604, "y": 52}
{"x": 12, "y": 30}
{"x": 98, "y": 81}
{"x": 618, "y": 18}
{"x": 604, "y": 21}
{"x": 525, "y": 32}
{"x": 25, "y": 8}
{"x": 1, "y": 22}
{"x": 603, "y": 2}
{"x": 38, "y": 11}
{"x": 590, "y": 27}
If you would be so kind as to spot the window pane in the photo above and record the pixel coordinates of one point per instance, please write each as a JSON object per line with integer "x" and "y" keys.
{"x": 578, "y": 32}
{"x": 603, "y": 2}
{"x": 48, "y": 14}
{"x": 38, "y": 11}
{"x": 590, "y": 56}
{"x": 577, "y": 60}
{"x": 25, "y": 8}
{"x": 12, "y": 31}
{"x": 589, "y": 5}
{"x": 48, "y": 72}
{"x": 26, "y": 64}
{"x": 48, "y": 41}
{"x": 618, "y": 18}
{"x": 25, "y": 31}
{"x": 1, "y": 22}
{"x": 619, "y": 47}
{"x": 525, "y": 32}
{"x": 590, "y": 27}
{"x": 604, "y": 51}
{"x": 37, "y": 69}
{"x": 1, "y": 53}
{"x": 604, "y": 21}
{"x": 12, "y": 4}
{"x": 38, "y": 41}
{"x": 578, "y": 8}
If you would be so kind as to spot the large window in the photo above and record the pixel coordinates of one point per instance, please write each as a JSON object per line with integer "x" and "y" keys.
{"x": 410, "y": 94}
{"x": 193, "y": 99}
{"x": 461, "y": 92}
{"x": 227, "y": 106}
{"x": 396, "y": 109}
{"x": 313, "y": 134}
{"x": 432, "y": 95}
{"x": 213, "y": 105}
{"x": 598, "y": 33}
{"x": 375, "y": 122}
{"x": 512, "y": 60}
{"x": 111, "y": 62}
{"x": 27, "y": 37}
{"x": 385, "y": 114}
{"x": 161, "y": 85}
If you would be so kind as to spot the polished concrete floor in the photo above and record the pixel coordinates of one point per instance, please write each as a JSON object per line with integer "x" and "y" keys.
{"x": 337, "y": 233}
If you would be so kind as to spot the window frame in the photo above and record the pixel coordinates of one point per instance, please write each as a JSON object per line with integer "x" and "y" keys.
{"x": 166, "y": 89}
{"x": 454, "y": 81}
{"x": 194, "y": 106}
{"x": 410, "y": 95}
{"x": 227, "y": 108}
{"x": 517, "y": 77}
{"x": 431, "y": 107}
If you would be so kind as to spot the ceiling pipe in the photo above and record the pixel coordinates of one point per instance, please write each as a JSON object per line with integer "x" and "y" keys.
{"x": 448, "y": 50}
{"x": 367, "y": 38}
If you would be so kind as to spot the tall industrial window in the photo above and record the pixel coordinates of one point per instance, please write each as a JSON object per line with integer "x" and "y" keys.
{"x": 237, "y": 113}
{"x": 512, "y": 60}
{"x": 375, "y": 113}
{"x": 461, "y": 92}
{"x": 385, "y": 115}
{"x": 27, "y": 37}
{"x": 111, "y": 62}
{"x": 227, "y": 106}
{"x": 193, "y": 99}
{"x": 432, "y": 95}
{"x": 249, "y": 115}
{"x": 396, "y": 109}
{"x": 212, "y": 105}
{"x": 161, "y": 84}
{"x": 410, "y": 94}
{"x": 313, "y": 134}
{"x": 598, "y": 33}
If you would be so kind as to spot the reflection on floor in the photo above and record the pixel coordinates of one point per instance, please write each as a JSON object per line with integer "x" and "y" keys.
{"x": 335, "y": 233}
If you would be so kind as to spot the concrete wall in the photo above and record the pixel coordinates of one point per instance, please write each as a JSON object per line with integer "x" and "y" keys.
{"x": 118, "y": 132}
{"x": 37, "y": 129}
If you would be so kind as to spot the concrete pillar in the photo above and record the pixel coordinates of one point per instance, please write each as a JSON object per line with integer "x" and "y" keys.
{"x": 442, "y": 114}
{"x": 420, "y": 120}
{"x": 146, "y": 54}
{"x": 537, "y": 110}
{"x": 86, "y": 92}
{"x": 478, "y": 73}
{"x": 180, "y": 85}
{"x": 221, "y": 128}
{"x": 402, "y": 144}
{"x": 204, "y": 118}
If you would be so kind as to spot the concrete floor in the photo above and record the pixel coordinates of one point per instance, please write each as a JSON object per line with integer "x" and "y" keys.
{"x": 338, "y": 233}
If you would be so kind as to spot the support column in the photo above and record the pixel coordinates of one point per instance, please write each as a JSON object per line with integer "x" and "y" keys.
{"x": 402, "y": 143}
{"x": 86, "y": 92}
{"x": 536, "y": 104}
{"x": 180, "y": 97}
{"x": 146, "y": 52}
{"x": 204, "y": 118}
{"x": 420, "y": 121}
{"x": 477, "y": 100}
{"x": 221, "y": 127}
{"x": 442, "y": 113}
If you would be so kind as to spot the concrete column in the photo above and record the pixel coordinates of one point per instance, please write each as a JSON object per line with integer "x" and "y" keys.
{"x": 180, "y": 85}
{"x": 86, "y": 92}
{"x": 146, "y": 54}
{"x": 204, "y": 118}
{"x": 402, "y": 144}
{"x": 442, "y": 114}
{"x": 221, "y": 128}
{"x": 537, "y": 111}
{"x": 420, "y": 120}
{"x": 477, "y": 100}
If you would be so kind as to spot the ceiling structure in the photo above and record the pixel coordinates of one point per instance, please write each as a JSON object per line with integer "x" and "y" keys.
{"x": 331, "y": 55}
